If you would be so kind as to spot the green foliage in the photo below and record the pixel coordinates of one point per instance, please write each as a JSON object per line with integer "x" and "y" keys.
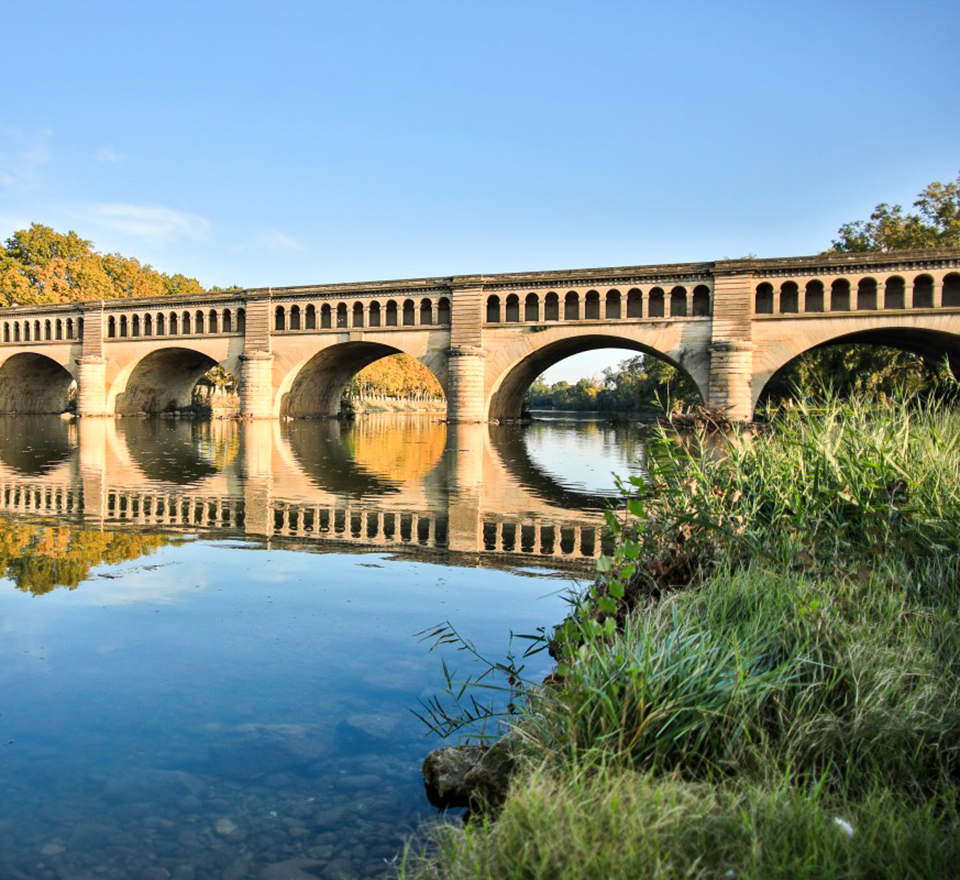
{"x": 638, "y": 384}
{"x": 851, "y": 370}
{"x": 616, "y": 825}
{"x": 805, "y": 668}
{"x": 936, "y": 223}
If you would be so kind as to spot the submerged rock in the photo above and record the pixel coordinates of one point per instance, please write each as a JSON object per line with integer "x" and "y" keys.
{"x": 253, "y": 750}
{"x": 291, "y": 869}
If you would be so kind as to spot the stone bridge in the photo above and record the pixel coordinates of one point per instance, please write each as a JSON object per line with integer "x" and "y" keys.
{"x": 728, "y": 324}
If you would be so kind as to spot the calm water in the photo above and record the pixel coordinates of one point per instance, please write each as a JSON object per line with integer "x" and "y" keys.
{"x": 208, "y": 629}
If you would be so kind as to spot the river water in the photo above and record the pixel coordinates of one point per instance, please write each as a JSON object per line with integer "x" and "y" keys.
{"x": 209, "y": 660}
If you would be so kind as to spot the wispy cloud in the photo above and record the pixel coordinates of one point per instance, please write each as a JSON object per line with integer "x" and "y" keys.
{"x": 156, "y": 224}
{"x": 105, "y": 154}
{"x": 23, "y": 156}
{"x": 279, "y": 241}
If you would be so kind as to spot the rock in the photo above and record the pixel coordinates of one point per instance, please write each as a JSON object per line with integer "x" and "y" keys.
{"x": 367, "y": 780}
{"x": 253, "y": 750}
{"x": 54, "y": 848}
{"x": 224, "y": 827}
{"x": 444, "y": 771}
{"x": 489, "y": 779}
{"x": 469, "y": 776}
{"x": 291, "y": 869}
{"x": 238, "y": 868}
{"x": 190, "y": 803}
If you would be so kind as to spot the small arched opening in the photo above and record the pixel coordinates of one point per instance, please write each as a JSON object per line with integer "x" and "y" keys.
{"x": 426, "y": 311}
{"x": 612, "y": 305}
{"x": 866, "y": 295}
{"x": 764, "y": 299}
{"x": 409, "y": 313}
{"x": 392, "y": 313}
{"x": 571, "y": 306}
{"x": 310, "y": 317}
{"x": 655, "y": 303}
{"x": 678, "y": 302}
{"x": 358, "y": 314}
{"x": 374, "y": 314}
{"x": 813, "y": 298}
{"x": 443, "y": 311}
{"x": 341, "y": 315}
{"x": 840, "y": 295}
{"x": 951, "y": 291}
{"x": 923, "y": 292}
{"x": 789, "y": 298}
{"x": 551, "y": 307}
{"x": 634, "y": 303}
{"x": 279, "y": 318}
{"x": 493, "y": 309}
{"x": 591, "y": 306}
{"x": 512, "y": 309}
{"x": 326, "y": 317}
{"x": 894, "y": 293}
{"x": 294, "y": 317}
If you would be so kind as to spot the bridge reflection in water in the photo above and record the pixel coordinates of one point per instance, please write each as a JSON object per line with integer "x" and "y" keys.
{"x": 468, "y": 492}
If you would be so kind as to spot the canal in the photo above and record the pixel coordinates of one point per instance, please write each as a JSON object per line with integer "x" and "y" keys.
{"x": 210, "y": 661}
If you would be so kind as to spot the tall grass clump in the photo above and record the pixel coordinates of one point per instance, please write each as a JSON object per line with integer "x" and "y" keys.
{"x": 765, "y": 674}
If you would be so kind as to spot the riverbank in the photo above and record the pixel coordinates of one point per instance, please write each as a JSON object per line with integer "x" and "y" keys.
{"x": 764, "y": 680}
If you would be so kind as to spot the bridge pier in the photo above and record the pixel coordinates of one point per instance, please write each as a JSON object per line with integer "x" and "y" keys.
{"x": 731, "y": 371}
{"x": 256, "y": 385}
{"x": 92, "y": 386}
{"x": 465, "y": 402}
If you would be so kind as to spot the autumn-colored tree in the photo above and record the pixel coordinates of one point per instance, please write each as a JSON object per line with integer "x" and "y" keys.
{"x": 39, "y": 265}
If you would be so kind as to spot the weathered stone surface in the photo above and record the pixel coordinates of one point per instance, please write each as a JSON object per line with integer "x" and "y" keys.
{"x": 469, "y": 776}
{"x": 254, "y": 750}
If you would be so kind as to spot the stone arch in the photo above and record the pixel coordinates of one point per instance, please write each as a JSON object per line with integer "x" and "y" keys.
{"x": 571, "y": 306}
{"x": 313, "y": 388}
{"x": 160, "y": 380}
{"x": 931, "y": 344}
{"x": 326, "y": 317}
{"x": 185, "y": 324}
{"x": 443, "y": 311}
{"x": 409, "y": 313}
{"x": 510, "y": 388}
{"x": 374, "y": 313}
{"x": 310, "y": 317}
{"x": 341, "y": 315}
{"x": 493, "y": 309}
{"x": 33, "y": 383}
{"x": 426, "y": 311}
{"x": 294, "y": 317}
{"x": 512, "y": 309}
{"x": 227, "y": 321}
{"x": 634, "y": 303}
{"x": 135, "y": 325}
{"x": 814, "y": 298}
{"x": 279, "y": 318}
{"x": 358, "y": 314}
{"x": 198, "y": 322}
{"x": 392, "y": 313}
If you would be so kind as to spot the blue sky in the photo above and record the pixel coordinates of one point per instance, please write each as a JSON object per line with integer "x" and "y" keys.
{"x": 295, "y": 143}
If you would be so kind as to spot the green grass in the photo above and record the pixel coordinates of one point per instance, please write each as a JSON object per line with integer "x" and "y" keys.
{"x": 802, "y": 665}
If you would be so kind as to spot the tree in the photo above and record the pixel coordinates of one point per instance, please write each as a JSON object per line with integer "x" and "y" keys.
{"x": 936, "y": 223}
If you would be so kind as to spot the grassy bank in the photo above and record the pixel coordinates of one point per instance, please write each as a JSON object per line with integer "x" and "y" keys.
{"x": 763, "y": 681}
